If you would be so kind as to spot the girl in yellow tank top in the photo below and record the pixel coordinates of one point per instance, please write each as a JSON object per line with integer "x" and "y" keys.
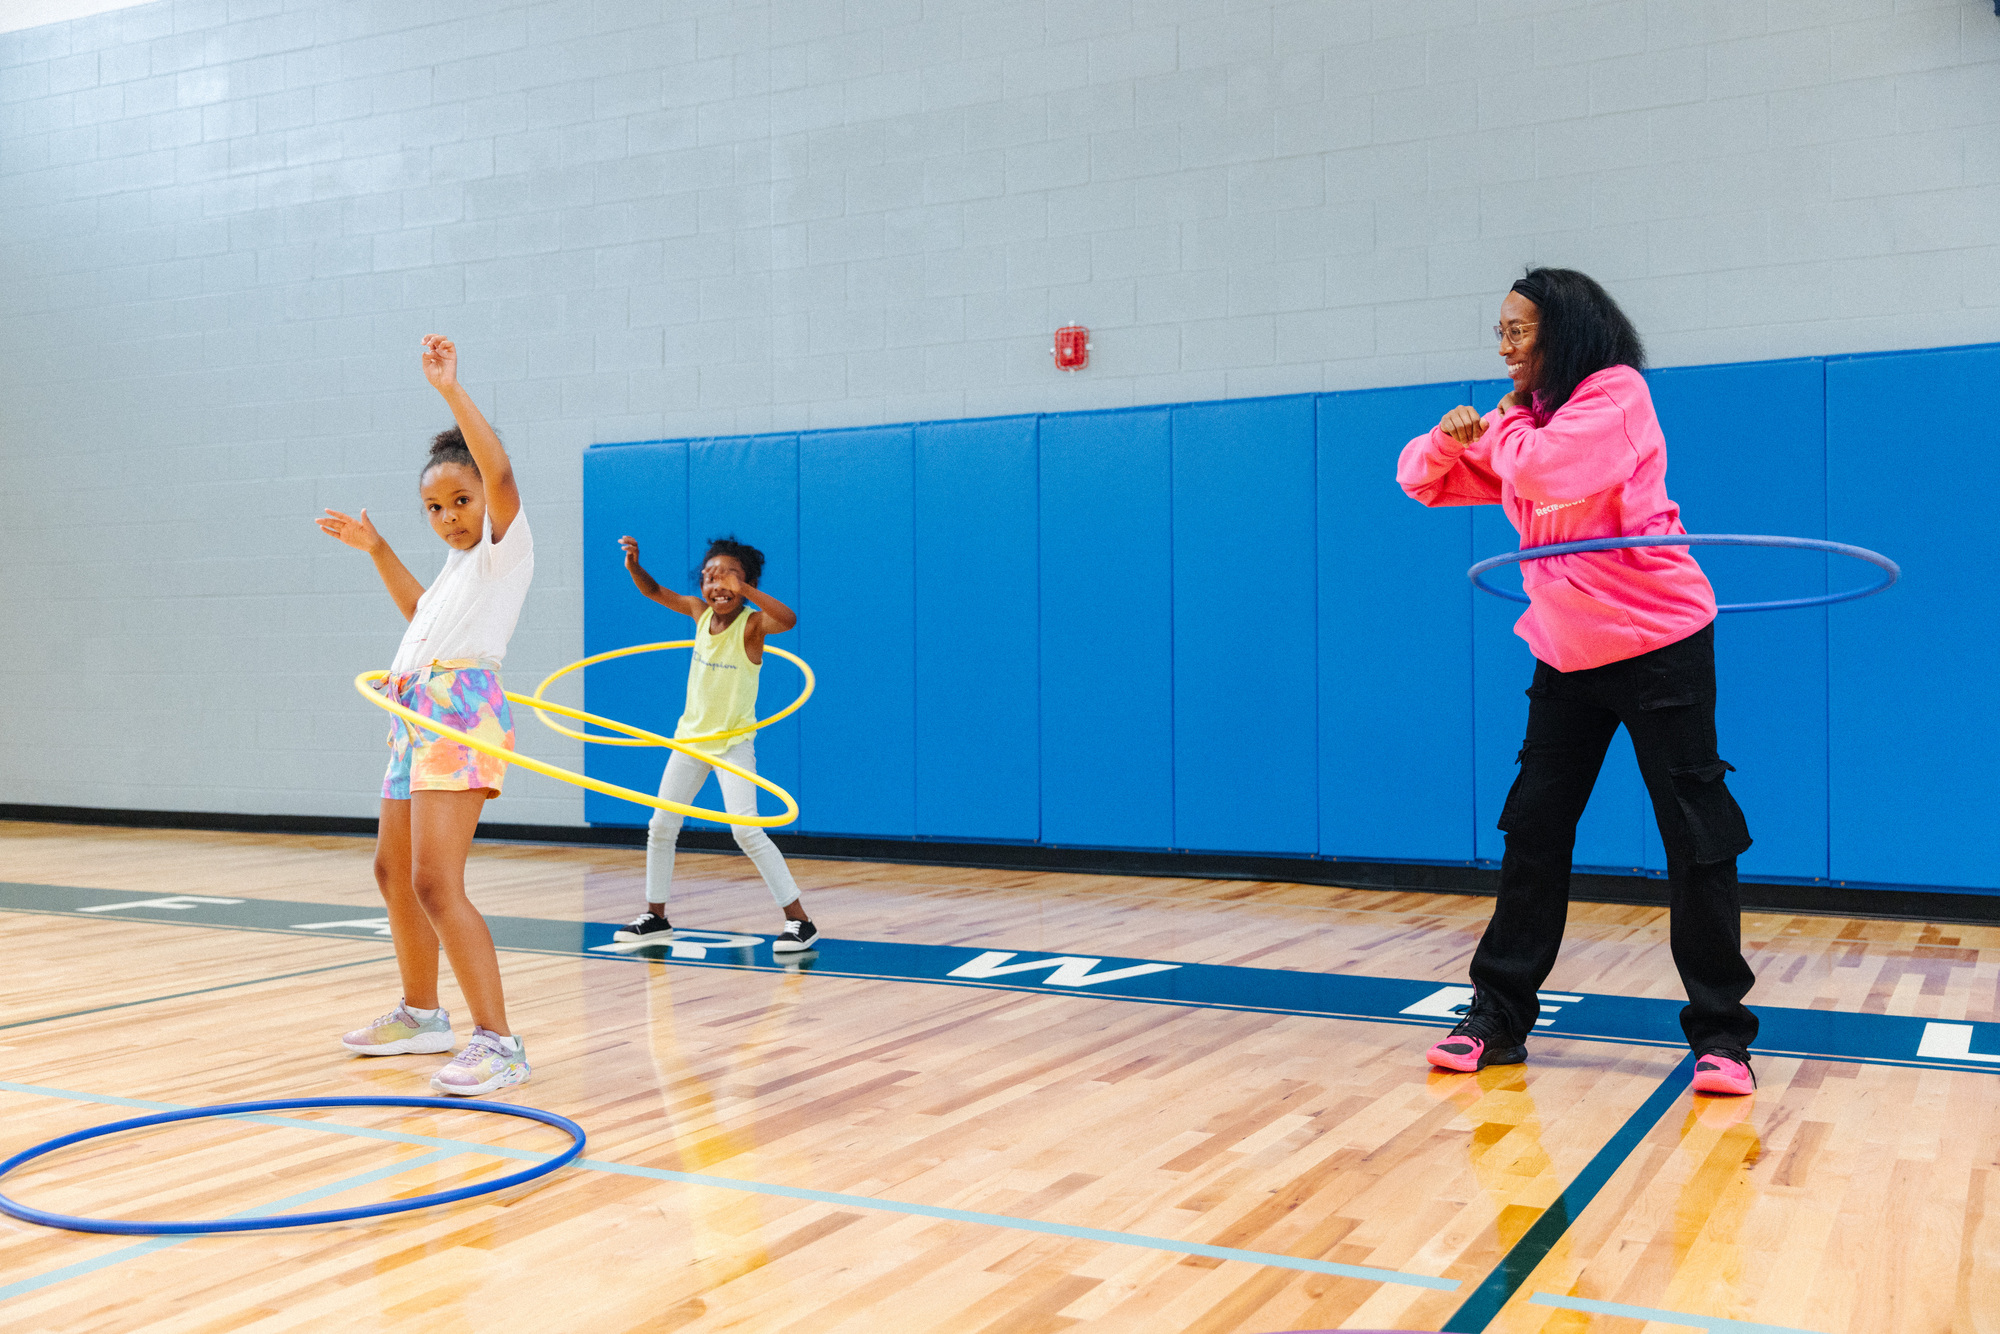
{"x": 732, "y": 617}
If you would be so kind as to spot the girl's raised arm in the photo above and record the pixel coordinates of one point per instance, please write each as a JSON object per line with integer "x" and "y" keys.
{"x": 361, "y": 535}
{"x": 774, "y": 617}
{"x": 650, "y": 587}
{"x": 496, "y": 471}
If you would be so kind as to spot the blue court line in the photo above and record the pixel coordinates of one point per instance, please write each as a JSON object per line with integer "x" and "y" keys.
{"x": 1136, "y": 1239}
{"x": 147, "y": 1247}
{"x": 101, "y": 1099}
{"x": 285, "y": 1122}
{"x": 82, "y": 1267}
{"x": 1505, "y": 1280}
{"x": 200, "y": 991}
{"x": 1714, "y": 1323}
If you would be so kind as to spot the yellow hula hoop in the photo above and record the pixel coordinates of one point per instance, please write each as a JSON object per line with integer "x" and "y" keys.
{"x": 368, "y": 682}
{"x": 635, "y": 736}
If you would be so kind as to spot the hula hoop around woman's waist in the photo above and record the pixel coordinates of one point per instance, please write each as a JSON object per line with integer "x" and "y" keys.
{"x": 1891, "y": 572}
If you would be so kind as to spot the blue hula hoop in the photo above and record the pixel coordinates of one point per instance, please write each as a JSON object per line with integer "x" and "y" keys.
{"x": 1891, "y": 572}
{"x": 29, "y": 1214}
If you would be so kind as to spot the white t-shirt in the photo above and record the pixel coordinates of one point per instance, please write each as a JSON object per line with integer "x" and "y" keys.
{"x": 470, "y": 609}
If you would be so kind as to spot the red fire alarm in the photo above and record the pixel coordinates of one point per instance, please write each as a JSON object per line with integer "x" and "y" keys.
{"x": 1072, "y": 349}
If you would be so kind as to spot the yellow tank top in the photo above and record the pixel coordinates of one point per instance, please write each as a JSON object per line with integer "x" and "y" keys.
{"x": 722, "y": 685}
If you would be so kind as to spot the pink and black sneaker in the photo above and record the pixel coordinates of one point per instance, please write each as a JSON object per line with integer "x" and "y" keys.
{"x": 1476, "y": 1043}
{"x": 1724, "y": 1070}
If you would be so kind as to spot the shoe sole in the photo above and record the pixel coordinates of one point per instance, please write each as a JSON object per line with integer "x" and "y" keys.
{"x": 1491, "y": 1056}
{"x": 428, "y": 1045}
{"x": 1725, "y": 1088}
{"x": 626, "y": 937}
{"x": 794, "y": 946}
{"x": 474, "y": 1090}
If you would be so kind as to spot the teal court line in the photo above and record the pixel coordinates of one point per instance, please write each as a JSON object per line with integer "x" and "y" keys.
{"x": 870, "y": 1202}
{"x": 199, "y": 991}
{"x": 1137, "y": 1239}
{"x": 147, "y": 1247}
{"x": 1714, "y": 1323}
{"x": 1506, "y": 1278}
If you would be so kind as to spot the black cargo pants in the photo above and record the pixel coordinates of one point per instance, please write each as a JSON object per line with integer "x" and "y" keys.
{"x": 1666, "y": 700}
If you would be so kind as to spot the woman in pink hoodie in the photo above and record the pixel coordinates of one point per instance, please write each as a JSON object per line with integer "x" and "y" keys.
{"x": 1625, "y": 637}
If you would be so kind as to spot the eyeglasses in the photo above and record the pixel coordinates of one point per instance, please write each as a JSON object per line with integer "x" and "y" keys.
{"x": 1513, "y": 333}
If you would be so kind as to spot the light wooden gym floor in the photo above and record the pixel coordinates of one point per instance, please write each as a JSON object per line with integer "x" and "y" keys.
{"x": 1843, "y": 1199}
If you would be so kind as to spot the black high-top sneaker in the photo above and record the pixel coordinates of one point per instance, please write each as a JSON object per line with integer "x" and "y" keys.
{"x": 1479, "y": 1040}
{"x": 1724, "y": 1070}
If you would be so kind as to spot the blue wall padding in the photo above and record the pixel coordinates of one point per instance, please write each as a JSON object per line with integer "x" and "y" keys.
{"x": 857, "y": 627}
{"x": 1748, "y": 451}
{"x": 1106, "y": 577}
{"x": 1395, "y": 644}
{"x": 640, "y": 490}
{"x": 1223, "y": 627}
{"x": 1915, "y": 717}
{"x": 976, "y": 566}
{"x": 1501, "y": 666}
{"x": 748, "y": 488}
{"x": 1246, "y": 729}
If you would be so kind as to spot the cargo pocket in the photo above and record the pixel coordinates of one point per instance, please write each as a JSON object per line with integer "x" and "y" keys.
{"x": 1510, "y": 810}
{"x": 1667, "y": 686}
{"x": 1715, "y": 822}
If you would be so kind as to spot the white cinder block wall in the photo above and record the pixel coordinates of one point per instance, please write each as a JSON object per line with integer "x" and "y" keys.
{"x": 225, "y": 223}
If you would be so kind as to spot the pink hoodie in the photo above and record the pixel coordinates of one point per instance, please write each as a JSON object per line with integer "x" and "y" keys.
{"x": 1597, "y": 468}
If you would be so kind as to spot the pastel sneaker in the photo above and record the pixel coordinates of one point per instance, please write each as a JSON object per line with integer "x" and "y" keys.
{"x": 488, "y": 1062}
{"x": 400, "y": 1033}
{"x": 1724, "y": 1070}
{"x": 1476, "y": 1043}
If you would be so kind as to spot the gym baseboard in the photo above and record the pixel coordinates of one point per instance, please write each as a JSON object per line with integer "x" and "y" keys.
{"x": 1590, "y": 885}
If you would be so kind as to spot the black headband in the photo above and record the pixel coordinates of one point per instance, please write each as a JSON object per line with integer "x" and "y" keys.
{"x": 1534, "y": 287}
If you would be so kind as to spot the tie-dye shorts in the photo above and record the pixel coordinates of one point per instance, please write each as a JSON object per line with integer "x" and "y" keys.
{"x": 468, "y": 698}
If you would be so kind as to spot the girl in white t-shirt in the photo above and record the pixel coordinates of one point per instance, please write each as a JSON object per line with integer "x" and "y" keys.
{"x": 448, "y": 668}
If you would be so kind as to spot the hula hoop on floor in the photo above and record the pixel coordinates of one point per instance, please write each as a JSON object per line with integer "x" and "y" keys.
{"x": 1891, "y": 571}
{"x": 368, "y": 682}
{"x": 636, "y": 738}
{"x": 29, "y": 1214}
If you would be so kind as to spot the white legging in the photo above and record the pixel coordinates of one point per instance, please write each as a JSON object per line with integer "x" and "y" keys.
{"x": 682, "y": 780}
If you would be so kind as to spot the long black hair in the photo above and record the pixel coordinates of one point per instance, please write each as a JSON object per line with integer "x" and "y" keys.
{"x": 751, "y": 559}
{"x": 1580, "y": 332}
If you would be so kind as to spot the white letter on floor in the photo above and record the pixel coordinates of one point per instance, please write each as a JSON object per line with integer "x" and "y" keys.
{"x": 380, "y": 925}
{"x": 684, "y": 945}
{"x": 1951, "y": 1042}
{"x": 1450, "y": 1003}
{"x": 1067, "y": 970}
{"x": 1444, "y": 1003}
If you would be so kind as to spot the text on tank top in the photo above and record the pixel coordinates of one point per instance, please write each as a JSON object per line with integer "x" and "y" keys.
{"x": 722, "y": 684}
